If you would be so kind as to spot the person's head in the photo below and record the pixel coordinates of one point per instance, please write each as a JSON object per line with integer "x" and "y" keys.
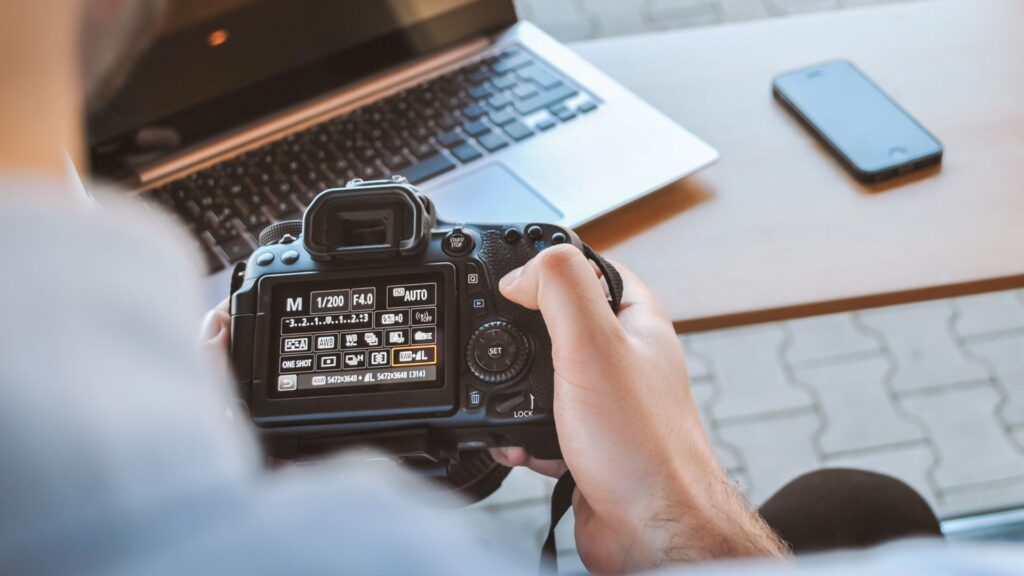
{"x": 113, "y": 32}
{"x": 59, "y": 58}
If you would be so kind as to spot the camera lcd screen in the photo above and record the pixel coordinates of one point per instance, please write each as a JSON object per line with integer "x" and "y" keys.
{"x": 376, "y": 334}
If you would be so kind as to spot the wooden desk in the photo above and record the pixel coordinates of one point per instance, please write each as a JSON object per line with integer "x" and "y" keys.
{"x": 777, "y": 229}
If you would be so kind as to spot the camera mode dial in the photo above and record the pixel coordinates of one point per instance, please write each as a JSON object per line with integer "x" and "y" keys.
{"x": 497, "y": 352}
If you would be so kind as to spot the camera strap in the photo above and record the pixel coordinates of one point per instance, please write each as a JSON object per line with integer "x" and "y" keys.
{"x": 611, "y": 277}
{"x": 561, "y": 496}
{"x": 561, "y": 501}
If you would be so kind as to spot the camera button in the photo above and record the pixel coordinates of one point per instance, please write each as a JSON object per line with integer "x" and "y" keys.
{"x": 475, "y": 398}
{"x": 474, "y": 280}
{"x": 535, "y": 232}
{"x": 265, "y": 259}
{"x": 497, "y": 352}
{"x": 457, "y": 243}
{"x": 512, "y": 235}
{"x": 479, "y": 306}
{"x": 290, "y": 257}
{"x": 558, "y": 238}
{"x": 506, "y": 405}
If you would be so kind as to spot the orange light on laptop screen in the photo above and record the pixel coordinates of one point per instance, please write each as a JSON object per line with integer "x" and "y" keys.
{"x": 217, "y": 37}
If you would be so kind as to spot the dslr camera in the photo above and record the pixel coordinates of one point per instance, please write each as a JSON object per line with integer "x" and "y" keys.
{"x": 371, "y": 322}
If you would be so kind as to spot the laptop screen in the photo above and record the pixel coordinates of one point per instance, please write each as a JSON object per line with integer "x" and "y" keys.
{"x": 218, "y": 64}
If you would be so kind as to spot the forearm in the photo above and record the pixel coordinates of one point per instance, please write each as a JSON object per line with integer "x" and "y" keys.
{"x": 709, "y": 519}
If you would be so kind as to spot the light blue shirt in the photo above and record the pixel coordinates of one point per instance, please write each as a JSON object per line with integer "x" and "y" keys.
{"x": 118, "y": 458}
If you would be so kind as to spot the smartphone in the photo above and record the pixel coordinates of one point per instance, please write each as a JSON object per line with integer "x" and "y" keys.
{"x": 863, "y": 127}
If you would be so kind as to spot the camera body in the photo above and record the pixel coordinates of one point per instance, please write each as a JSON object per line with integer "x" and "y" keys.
{"x": 372, "y": 323}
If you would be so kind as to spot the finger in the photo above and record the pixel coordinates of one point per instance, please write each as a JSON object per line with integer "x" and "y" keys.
{"x": 514, "y": 456}
{"x": 216, "y": 325}
{"x": 561, "y": 283}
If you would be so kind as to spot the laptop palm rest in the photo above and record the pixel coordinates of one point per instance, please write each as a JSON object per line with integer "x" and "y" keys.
{"x": 490, "y": 194}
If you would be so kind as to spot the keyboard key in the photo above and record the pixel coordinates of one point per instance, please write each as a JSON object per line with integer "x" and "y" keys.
{"x": 518, "y": 131}
{"x": 499, "y": 101}
{"x": 366, "y": 154}
{"x": 473, "y": 111}
{"x": 501, "y": 118}
{"x": 546, "y": 124}
{"x": 422, "y": 150}
{"x": 449, "y": 139}
{"x": 428, "y": 168}
{"x": 397, "y": 161}
{"x": 563, "y": 112}
{"x": 339, "y": 166}
{"x": 513, "y": 51}
{"x": 545, "y": 99}
{"x": 466, "y": 153}
{"x": 492, "y": 142}
{"x": 237, "y": 249}
{"x": 371, "y": 172}
{"x": 524, "y": 90}
{"x": 540, "y": 76}
{"x": 479, "y": 92}
{"x": 477, "y": 76}
{"x": 191, "y": 210}
{"x": 476, "y": 128}
{"x": 420, "y": 133}
{"x": 586, "y": 106}
{"x": 212, "y": 260}
{"x": 510, "y": 63}
{"x": 504, "y": 82}
{"x": 282, "y": 209}
{"x": 255, "y": 222}
{"x": 447, "y": 122}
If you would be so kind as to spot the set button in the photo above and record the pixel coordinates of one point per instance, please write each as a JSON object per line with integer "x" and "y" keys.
{"x": 497, "y": 352}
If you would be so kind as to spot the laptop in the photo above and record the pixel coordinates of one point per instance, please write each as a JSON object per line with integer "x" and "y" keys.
{"x": 241, "y": 111}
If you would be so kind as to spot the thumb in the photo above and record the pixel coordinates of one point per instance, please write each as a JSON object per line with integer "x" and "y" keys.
{"x": 562, "y": 284}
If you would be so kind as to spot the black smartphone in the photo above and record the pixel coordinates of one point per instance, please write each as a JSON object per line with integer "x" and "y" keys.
{"x": 863, "y": 127}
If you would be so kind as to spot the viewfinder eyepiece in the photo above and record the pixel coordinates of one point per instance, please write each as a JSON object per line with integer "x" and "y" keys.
{"x": 367, "y": 219}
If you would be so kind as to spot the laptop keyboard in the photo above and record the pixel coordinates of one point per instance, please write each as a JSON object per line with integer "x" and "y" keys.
{"x": 421, "y": 132}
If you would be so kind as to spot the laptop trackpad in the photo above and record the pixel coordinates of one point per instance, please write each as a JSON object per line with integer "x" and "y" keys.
{"x": 491, "y": 194}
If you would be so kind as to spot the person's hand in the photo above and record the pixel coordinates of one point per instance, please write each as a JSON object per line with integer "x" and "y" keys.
{"x": 215, "y": 334}
{"x": 649, "y": 488}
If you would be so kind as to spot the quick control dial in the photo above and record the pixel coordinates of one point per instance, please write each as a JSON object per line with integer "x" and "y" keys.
{"x": 497, "y": 352}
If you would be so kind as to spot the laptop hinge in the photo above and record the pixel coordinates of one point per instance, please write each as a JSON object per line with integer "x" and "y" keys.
{"x": 308, "y": 114}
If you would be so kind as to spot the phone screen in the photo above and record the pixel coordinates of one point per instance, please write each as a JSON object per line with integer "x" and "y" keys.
{"x": 869, "y": 132}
